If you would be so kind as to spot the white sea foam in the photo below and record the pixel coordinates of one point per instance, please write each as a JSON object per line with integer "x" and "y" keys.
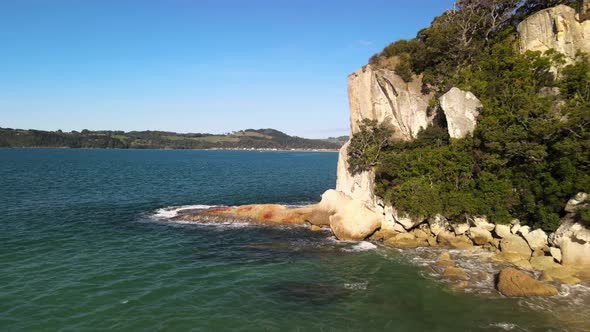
{"x": 172, "y": 211}
{"x": 361, "y": 246}
{"x": 356, "y": 285}
{"x": 504, "y": 326}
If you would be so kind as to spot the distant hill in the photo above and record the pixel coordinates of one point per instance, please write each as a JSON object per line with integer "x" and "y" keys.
{"x": 244, "y": 139}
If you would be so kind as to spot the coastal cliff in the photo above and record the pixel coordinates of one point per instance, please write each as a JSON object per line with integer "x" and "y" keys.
{"x": 381, "y": 94}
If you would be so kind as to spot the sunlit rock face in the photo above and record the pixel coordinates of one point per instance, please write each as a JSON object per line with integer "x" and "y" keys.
{"x": 380, "y": 94}
{"x": 559, "y": 28}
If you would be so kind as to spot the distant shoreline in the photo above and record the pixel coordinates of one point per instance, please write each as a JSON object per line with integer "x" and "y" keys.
{"x": 171, "y": 149}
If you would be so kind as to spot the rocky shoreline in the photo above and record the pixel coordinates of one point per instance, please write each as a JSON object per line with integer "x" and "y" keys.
{"x": 529, "y": 262}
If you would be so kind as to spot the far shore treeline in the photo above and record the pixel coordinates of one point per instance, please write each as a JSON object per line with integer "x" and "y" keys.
{"x": 244, "y": 139}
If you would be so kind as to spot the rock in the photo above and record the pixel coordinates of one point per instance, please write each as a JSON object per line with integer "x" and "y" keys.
{"x": 578, "y": 202}
{"x": 257, "y": 213}
{"x": 515, "y": 244}
{"x": 514, "y": 283}
{"x": 455, "y": 273}
{"x": 555, "y": 28}
{"x": 350, "y": 219}
{"x": 496, "y": 243}
{"x": 524, "y": 230}
{"x": 406, "y": 221}
{"x": 482, "y": 222}
{"x": 315, "y": 228}
{"x": 560, "y": 272}
{"x": 449, "y": 239}
{"x": 438, "y": 224}
{"x": 432, "y": 241}
{"x": 388, "y": 223}
{"x": 460, "y": 228}
{"x": 444, "y": 256}
{"x": 514, "y": 229}
{"x": 479, "y": 235}
{"x": 543, "y": 263}
{"x": 570, "y": 281}
{"x": 574, "y": 241}
{"x": 405, "y": 240}
{"x": 510, "y": 257}
{"x": 502, "y": 230}
{"x": 420, "y": 234}
{"x": 555, "y": 253}
{"x": 538, "y": 253}
{"x": 444, "y": 264}
{"x": 461, "y": 109}
{"x": 459, "y": 285}
{"x": 523, "y": 264}
{"x": 536, "y": 239}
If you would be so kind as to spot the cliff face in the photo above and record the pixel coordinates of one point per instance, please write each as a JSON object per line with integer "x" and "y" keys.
{"x": 379, "y": 94}
{"x": 559, "y": 28}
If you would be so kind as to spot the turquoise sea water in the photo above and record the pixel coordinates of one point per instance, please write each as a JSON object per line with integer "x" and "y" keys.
{"x": 85, "y": 245}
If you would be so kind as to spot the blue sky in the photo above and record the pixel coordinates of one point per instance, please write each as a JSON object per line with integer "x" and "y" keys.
{"x": 191, "y": 65}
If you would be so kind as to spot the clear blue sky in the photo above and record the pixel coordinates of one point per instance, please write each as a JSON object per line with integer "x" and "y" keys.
{"x": 192, "y": 65}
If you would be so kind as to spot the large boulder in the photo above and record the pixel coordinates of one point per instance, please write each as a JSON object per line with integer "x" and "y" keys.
{"x": 438, "y": 224}
{"x": 515, "y": 283}
{"x": 573, "y": 239}
{"x": 516, "y": 245}
{"x": 461, "y": 109}
{"x": 555, "y": 28}
{"x": 449, "y": 239}
{"x": 406, "y": 221}
{"x": 536, "y": 239}
{"x": 350, "y": 219}
{"x": 479, "y": 235}
{"x": 406, "y": 240}
{"x": 502, "y": 230}
{"x": 460, "y": 227}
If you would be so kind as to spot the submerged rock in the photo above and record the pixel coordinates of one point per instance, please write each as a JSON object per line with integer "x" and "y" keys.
{"x": 455, "y": 273}
{"x": 515, "y": 283}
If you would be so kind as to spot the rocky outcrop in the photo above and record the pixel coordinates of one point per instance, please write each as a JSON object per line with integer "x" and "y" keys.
{"x": 555, "y": 28}
{"x": 258, "y": 214}
{"x": 461, "y": 109}
{"x": 514, "y": 283}
{"x": 380, "y": 94}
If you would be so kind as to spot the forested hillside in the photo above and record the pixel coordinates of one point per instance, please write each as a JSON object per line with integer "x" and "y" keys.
{"x": 245, "y": 139}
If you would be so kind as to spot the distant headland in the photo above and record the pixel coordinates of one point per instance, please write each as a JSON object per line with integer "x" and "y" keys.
{"x": 249, "y": 139}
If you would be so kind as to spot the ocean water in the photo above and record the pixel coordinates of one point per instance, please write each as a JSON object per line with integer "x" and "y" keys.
{"x": 86, "y": 243}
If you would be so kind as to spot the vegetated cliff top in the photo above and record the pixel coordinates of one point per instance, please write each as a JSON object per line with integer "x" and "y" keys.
{"x": 530, "y": 151}
{"x": 244, "y": 139}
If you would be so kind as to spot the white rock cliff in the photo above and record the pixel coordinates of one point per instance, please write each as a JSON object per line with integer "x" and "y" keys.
{"x": 555, "y": 28}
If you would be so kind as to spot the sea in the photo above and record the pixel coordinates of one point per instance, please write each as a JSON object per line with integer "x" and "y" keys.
{"x": 88, "y": 243}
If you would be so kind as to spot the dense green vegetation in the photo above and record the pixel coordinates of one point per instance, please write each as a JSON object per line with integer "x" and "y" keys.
{"x": 246, "y": 139}
{"x": 530, "y": 151}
